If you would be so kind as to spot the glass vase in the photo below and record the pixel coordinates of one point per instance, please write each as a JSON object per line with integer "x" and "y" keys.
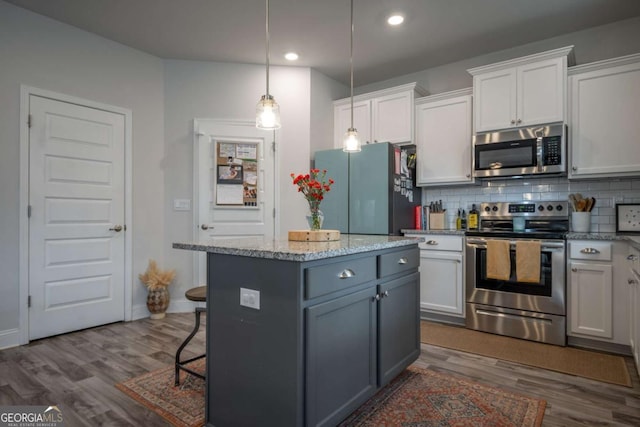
{"x": 315, "y": 219}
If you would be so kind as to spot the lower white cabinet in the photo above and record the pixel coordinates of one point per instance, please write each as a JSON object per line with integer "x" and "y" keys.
{"x": 597, "y": 301}
{"x": 634, "y": 304}
{"x": 442, "y": 275}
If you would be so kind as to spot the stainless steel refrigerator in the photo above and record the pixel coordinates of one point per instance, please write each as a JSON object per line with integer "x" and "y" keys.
{"x": 374, "y": 190}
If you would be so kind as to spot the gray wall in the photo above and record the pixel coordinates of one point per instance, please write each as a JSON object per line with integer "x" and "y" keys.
{"x": 229, "y": 91}
{"x": 593, "y": 44}
{"x": 43, "y": 53}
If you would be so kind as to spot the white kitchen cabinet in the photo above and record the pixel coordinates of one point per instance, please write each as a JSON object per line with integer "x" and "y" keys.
{"x": 442, "y": 275}
{"x": 525, "y": 91}
{"x": 443, "y": 139}
{"x": 381, "y": 116}
{"x": 604, "y": 103}
{"x": 634, "y": 304}
{"x": 598, "y": 293}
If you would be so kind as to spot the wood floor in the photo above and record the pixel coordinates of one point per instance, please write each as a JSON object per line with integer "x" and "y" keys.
{"x": 78, "y": 371}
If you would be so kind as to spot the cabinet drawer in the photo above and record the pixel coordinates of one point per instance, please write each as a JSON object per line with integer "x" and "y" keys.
{"x": 398, "y": 262}
{"x": 595, "y": 251}
{"x": 329, "y": 278}
{"x": 438, "y": 242}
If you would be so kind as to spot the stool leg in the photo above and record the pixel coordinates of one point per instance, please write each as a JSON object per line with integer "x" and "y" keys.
{"x": 184, "y": 344}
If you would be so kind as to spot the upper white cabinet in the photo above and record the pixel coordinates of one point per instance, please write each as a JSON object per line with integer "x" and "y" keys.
{"x": 443, "y": 139}
{"x": 604, "y": 127}
{"x": 526, "y": 91}
{"x": 381, "y": 116}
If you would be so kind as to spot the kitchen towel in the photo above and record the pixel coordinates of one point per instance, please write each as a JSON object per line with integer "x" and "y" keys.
{"x": 528, "y": 261}
{"x": 498, "y": 260}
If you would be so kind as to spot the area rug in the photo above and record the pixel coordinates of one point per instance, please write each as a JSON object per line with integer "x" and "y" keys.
{"x": 416, "y": 398}
{"x": 182, "y": 406}
{"x": 594, "y": 365}
{"x": 425, "y": 398}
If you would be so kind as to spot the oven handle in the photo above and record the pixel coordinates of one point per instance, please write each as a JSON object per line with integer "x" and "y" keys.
{"x": 545, "y": 245}
{"x": 512, "y": 316}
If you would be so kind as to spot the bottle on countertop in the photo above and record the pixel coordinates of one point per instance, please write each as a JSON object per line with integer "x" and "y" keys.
{"x": 458, "y": 221}
{"x": 463, "y": 220}
{"x": 473, "y": 218}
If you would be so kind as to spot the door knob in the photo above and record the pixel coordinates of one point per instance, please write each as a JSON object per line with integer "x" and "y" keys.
{"x": 116, "y": 228}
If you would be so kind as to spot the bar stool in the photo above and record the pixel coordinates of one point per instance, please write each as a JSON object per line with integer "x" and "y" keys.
{"x": 198, "y": 294}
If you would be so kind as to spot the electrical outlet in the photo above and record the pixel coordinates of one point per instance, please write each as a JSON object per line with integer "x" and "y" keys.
{"x": 250, "y": 298}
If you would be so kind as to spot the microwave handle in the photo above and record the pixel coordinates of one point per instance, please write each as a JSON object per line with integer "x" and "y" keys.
{"x": 540, "y": 166}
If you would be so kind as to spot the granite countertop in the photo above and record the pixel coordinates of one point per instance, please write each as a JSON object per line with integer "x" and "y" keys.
{"x": 287, "y": 250}
{"x": 438, "y": 232}
{"x": 633, "y": 240}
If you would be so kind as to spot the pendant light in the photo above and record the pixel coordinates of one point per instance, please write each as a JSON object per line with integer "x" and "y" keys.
{"x": 351, "y": 141}
{"x": 267, "y": 110}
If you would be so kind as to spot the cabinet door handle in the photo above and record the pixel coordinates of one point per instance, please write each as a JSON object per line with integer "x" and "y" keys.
{"x": 403, "y": 260}
{"x": 518, "y": 121}
{"x": 632, "y": 282}
{"x": 590, "y": 251}
{"x": 468, "y": 175}
{"x": 346, "y": 274}
{"x": 375, "y": 298}
{"x": 432, "y": 242}
{"x": 573, "y": 168}
{"x": 513, "y": 122}
{"x": 632, "y": 257}
{"x": 575, "y": 270}
{"x": 117, "y": 228}
{"x": 385, "y": 294}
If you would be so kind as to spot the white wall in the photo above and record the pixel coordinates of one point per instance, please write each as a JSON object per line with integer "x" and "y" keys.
{"x": 43, "y": 53}
{"x": 229, "y": 91}
{"x": 323, "y": 91}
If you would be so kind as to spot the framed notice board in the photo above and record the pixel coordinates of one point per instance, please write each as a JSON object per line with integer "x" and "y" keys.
{"x": 236, "y": 173}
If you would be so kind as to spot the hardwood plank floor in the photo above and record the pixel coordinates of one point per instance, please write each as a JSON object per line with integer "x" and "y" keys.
{"x": 78, "y": 371}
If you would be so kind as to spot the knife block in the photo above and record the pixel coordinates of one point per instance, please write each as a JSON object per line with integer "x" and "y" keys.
{"x": 436, "y": 220}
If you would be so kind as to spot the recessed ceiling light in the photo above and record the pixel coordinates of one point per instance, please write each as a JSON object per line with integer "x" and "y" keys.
{"x": 291, "y": 56}
{"x": 395, "y": 19}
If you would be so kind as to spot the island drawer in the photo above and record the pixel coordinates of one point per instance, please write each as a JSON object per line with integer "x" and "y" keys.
{"x": 333, "y": 277}
{"x": 398, "y": 262}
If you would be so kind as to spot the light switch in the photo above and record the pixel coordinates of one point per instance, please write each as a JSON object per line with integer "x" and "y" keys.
{"x": 181, "y": 204}
{"x": 250, "y": 298}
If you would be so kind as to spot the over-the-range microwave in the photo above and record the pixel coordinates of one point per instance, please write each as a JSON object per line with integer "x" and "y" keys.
{"x": 521, "y": 152}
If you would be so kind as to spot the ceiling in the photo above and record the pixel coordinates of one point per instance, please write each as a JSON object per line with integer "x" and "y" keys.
{"x": 435, "y": 32}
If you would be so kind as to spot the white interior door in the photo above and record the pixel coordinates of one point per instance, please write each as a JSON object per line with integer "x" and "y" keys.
{"x": 232, "y": 203}
{"x": 76, "y": 227}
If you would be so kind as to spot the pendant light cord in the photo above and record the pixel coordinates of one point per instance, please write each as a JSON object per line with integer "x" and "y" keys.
{"x": 351, "y": 63}
{"x": 267, "y": 31}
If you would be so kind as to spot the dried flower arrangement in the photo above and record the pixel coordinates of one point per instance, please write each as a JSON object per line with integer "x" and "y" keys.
{"x": 154, "y": 278}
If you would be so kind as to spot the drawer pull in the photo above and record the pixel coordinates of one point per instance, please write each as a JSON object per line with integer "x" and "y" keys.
{"x": 346, "y": 274}
{"x": 403, "y": 260}
{"x": 432, "y": 242}
{"x": 632, "y": 257}
{"x": 590, "y": 251}
{"x": 632, "y": 282}
{"x": 575, "y": 270}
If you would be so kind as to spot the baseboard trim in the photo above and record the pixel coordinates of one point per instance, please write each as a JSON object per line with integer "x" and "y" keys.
{"x": 442, "y": 318}
{"x": 608, "y": 347}
{"x": 9, "y": 338}
{"x": 184, "y": 305}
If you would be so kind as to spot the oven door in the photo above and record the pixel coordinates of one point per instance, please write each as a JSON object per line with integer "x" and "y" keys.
{"x": 546, "y": 296}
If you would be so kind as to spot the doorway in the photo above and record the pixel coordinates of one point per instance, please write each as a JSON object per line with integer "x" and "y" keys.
{"x": 76, "y": 248}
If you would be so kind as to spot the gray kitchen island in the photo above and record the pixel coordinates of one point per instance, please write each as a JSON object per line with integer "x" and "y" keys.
{"x": 302, "y": 333}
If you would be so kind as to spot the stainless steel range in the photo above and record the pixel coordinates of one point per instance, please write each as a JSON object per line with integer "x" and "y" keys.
{"x": 529, "y": 309}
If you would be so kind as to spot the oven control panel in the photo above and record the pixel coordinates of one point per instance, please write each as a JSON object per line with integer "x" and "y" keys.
{"x": 547, "y": 209}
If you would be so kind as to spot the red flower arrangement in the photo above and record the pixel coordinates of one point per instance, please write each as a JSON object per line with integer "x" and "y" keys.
{"x": 313, "y": 186}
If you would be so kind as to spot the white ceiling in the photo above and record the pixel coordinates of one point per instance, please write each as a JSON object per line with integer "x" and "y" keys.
{"x": 435, "y": 32}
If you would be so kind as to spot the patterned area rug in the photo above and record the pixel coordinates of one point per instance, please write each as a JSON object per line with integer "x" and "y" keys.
{"x": 416, "y": 398}
{"x": 425, "y": 398}
{"x": 182, "y": 406}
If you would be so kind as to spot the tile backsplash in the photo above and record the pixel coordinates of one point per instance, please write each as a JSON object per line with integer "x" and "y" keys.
{"x": 607, "y": 192}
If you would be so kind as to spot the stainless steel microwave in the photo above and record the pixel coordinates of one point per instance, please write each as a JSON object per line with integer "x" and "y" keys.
{"x": 520, "y": 152}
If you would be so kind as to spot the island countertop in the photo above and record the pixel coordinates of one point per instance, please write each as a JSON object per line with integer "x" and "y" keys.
{"x": 283, "y": 249}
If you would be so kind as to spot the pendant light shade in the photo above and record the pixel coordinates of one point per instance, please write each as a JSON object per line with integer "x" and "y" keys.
{"x": 267, "y": 110}
{"x": 351, "y": 141}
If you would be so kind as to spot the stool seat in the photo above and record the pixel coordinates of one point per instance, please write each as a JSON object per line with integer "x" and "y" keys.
{"x": 198, "y": 294}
